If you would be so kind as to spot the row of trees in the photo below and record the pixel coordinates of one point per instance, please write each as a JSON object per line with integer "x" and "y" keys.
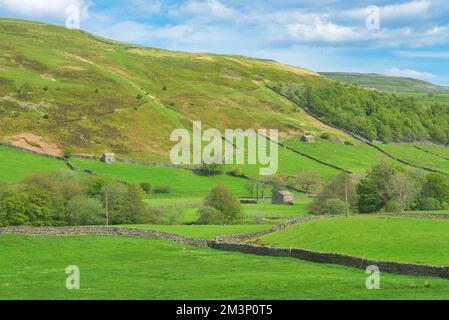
{"x": 63, "y": 199}
{"x": 385, "y": 188}
{"x": 372, "y": 114}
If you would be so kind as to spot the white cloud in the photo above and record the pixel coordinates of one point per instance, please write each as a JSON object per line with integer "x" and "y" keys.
{"x": 145, "y": 6}
{"x": 423, "y": 54}
{"x": 410, "y": 73}
{"x": 204, "y": 9}
{"x": 413, "y": 9}
{"x": 44, "y": 8}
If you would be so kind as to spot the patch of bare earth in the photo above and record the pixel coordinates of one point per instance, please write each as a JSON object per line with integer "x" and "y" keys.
{"x": 35, "y": 143}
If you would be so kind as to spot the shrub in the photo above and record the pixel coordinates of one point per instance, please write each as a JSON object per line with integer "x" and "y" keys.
{"x": 209, "y": 215}
{"x": 393, "y": 206}
{"x": 222, "y": 199}
{"x": 139, "y": 97}
{"x": 348, "y": 143}
{"x": 164, "y": 88}
{"x": 83, "y": 211}
{"x": 146, "y": 187}
{"x": 325, "y": 136}
{"x": 67, "y": 153}
{"x": 149, "y": 216}
{"x": 45, "y": 88}
{"x": 237, "y": 172}
{"x": 174, "y": 215}
{"x": 333, "y": 207}
{"x": 430, "y": 204}
{"x": 162, "y": 189}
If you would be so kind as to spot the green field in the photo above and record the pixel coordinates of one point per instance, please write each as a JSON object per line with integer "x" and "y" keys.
{"x": 439, "y": 150}
{"x": 413, "y": 240}
{"x": 165, "y": 202}
{"x": 16, "y": 165}
{"x": 184, "y": 183}
{"x": 129, "y": 268}
{"x": 411, "y": 154}
{"x": 270, "y": 211}
{"x": 356, "y": 158}
{"x": 204, "y": 232}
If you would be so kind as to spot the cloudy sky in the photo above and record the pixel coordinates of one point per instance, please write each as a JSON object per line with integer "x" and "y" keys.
{"x": 401, "y": 38}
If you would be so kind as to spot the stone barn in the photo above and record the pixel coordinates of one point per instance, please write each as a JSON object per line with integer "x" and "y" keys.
{"x": 307, "y": 138}
{"x": 108, "y": 158}
{"x": 283, "y": 197}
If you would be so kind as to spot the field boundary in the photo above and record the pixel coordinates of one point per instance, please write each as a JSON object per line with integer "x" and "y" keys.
{"x": 431, "y": 153}
{"x": 338, "y": 259}
{"x": 104, "y": 231}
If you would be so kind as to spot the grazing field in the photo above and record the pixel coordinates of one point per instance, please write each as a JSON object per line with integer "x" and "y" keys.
{"x": 356, "y": 158}
{"x": 270, "y": 211}
{"x": 183, "y": 183}
{"x": 426, "y": 98}
{"x": 439, "y": 150}
{"x": 411, "y": 154}
{"x": 204, "y": 232}
{"x": 414, "y": 240}
{"x": 16, "y": 165}
{"x": 129, "y": 268}
{"x": 290, "y": 164}
{"x": 165, "y": 202}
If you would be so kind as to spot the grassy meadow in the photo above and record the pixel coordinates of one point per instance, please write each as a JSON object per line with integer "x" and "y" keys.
{"x": 128, "y": 268}
{"x": 414, "y": 240}
{"x": 16, "y": 165}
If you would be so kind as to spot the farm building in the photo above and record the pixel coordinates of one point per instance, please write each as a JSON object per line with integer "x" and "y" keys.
{"x": 108, "y": 158}
{"x": 282, "y": 197}
{"x": 308, "y": 138}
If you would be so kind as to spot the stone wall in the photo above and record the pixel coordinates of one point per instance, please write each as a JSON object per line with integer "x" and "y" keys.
{"x": 336, "y": 258}
{"x": 278, "y": 227}
{"x": 125, "y": 232}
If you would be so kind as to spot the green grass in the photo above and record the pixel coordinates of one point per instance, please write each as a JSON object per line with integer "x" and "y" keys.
{"x": 183, "y": 183}
{"x": 411, "y": 154}
{"x": 339, "y": 154}
{"x": 413, "y": 240}
{"x": 270, "y": 211}
{"x": 129, "y": 268}
{"x": 16, "y": 165}
{"x": 439, "y": 150}
{"x": 173, "y": 201}
{"x": 204, "y": 232}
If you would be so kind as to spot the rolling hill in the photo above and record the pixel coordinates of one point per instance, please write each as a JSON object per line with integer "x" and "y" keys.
{"x": 386, "y": 83}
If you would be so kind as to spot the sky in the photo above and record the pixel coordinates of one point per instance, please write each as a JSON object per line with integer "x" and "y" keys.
{"x": 392, "y": 37}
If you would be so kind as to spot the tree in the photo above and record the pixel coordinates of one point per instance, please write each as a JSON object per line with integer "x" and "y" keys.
{"x": 222, "y": 199}
{"x": 249, "y": 187}
{"x": 403, "y": 189}
{"x": 111, "y": 195}
{"x": 382, "y": 174}
{"x": 436, "y": 186}
{"x": 307, "y": 180}
{"x": 341, "y": 187}
{"x": 368, "y": 196}
{"x": 83, "y": 211}
{"x": 210, "y": 216}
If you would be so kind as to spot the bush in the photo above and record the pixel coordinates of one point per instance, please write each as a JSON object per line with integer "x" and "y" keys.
{"x": 162, "y": 189}
{"x": 209, "y": 215}
{"x": 174, "y": 215}
{"x": 222, "y": 199}
{"x": 84, "y": 211}
{"x": 237, "y": 172}
{"x": 325, "y": 136}
{"x": 139, "y": 97}
{"x": 333, "y": 207}
{"x": 393, "y": 206}
{"x": 349, "y": 143}
{"x": 430, "y": 204}
{"x": 149, "y": 216}
{"x": 146, "y": 187}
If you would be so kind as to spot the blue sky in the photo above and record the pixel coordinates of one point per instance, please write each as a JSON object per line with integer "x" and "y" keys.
{"x": 411, "y": 38}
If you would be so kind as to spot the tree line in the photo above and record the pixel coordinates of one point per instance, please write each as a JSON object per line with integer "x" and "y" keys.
{"x": 63, "y": 199}
{"x": 372, "y": 114}
{"x": 385, "y": 188}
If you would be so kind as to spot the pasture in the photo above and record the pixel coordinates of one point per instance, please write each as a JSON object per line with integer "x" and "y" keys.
{"x": 183, "y": 183}
{"x": 413, "y": 240}
{"x": 130, "y": 268}
{"x": 17, "y": 164}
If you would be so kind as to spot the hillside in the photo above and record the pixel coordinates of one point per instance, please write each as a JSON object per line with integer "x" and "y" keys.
{"x": 386, "y": 83}
{"x": 66, "y": 89}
